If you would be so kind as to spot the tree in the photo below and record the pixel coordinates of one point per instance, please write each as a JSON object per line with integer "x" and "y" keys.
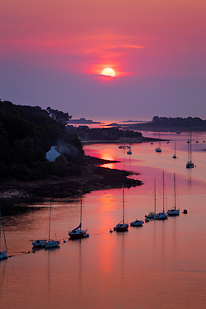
{"x": 58, "y": 115}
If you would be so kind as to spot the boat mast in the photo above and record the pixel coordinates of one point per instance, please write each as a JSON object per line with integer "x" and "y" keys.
{"x": 4, "y": 237}
{"x": 190, "y": 148}
{"x": 81, "y": 212}
{"x": 155, "y": 195}
{"x": 175, "y": 191}
{"x": 163, "y": 193}
{"x": 159, "y": 141}
{"x": 1, "y": 225}
{"x": 49, "y": 220}
{"x": 0, "y": 230}
{"x": 123, "y": 203}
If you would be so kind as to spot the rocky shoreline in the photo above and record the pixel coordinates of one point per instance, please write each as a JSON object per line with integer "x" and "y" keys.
{"x": 93, "y": 178}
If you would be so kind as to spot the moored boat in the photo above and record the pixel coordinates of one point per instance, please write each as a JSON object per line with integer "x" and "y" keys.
{"x": 174, "y": 211}
{"x": 124, "y": 146}
{"x": 51, "y": 243}
{"x": 161, "y": 215}
{"x": 151, "y": 214}
{"x": 78, "y": 233}
{"x": 175, "y": 156}
{"x": 122, "y": 226}
{"x": 137, "y": 223}
{"x": 39, "y": 243}
{"x": 189, "y": 163}
{"x": 158, "y": 149}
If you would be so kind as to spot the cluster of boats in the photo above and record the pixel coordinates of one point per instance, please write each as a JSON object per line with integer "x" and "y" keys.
{"x": 79, "y": 233}
{"x": 123, "y": 227}
{"x": 189, "y": 163}
{"x": 76, "y": 233}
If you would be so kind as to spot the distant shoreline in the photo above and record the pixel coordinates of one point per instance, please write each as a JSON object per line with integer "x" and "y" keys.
{"x": 127, "y": 140}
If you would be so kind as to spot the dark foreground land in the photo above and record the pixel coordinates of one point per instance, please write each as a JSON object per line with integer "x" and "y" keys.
{"x": 93, "y": 178}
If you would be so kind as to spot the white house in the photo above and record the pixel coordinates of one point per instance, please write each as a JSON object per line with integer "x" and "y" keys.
{"x": 52, "y": 154}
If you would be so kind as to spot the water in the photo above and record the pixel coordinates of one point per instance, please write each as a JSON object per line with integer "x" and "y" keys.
{"x": 161, "y": 265}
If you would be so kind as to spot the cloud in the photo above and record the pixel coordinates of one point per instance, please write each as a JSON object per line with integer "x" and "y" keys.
{"x": 133, "y": 46}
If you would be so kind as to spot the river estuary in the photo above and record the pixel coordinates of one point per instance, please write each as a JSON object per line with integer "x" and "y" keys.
{"x": 159, "y": 265}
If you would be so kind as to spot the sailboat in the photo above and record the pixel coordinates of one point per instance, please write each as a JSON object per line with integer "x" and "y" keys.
{"x": 51, "y": 243}
{"x": 39, "y": 243}
{"x": 161, "y": 215}
{"x": 3, "y": 254}
{"x": 137, "y": 223}
{"x": 190, "y": 164}
{"x": 124, "y": 146}
{"x": 151, "y": 215}
{"x": 175, "y": 157}
{"x": 78, "y": 232}
{"x": 121, "y": 226}
{"x": 174, "y": 211}
{"x": 158, "y": 149}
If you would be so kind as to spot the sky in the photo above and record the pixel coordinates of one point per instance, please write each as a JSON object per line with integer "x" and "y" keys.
{"x": 53, "y": 53}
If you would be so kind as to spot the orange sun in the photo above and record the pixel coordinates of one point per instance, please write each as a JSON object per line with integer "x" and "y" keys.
{"x": 108, "y": 72}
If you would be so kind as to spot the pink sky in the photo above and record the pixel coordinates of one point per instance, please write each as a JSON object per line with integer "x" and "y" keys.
{"x": 53, "y": 52}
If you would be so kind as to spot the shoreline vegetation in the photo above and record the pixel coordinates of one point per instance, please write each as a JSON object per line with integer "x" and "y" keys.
{"x": 157, "y": 124}
{"x": 27, "y": 134}
{"x": 93, "y": 177}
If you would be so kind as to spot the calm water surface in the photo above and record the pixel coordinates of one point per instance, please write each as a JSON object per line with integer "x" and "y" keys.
{"x": 161, "y": 265}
